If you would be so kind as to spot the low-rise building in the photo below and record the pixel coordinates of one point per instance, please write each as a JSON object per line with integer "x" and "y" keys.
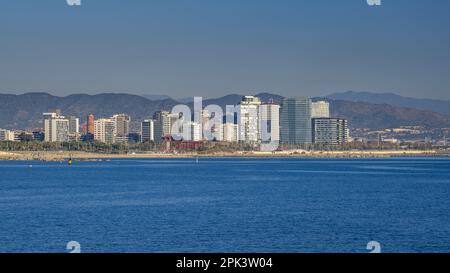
{"x": 6, "y": 135}
{"x": 330, "y": 131}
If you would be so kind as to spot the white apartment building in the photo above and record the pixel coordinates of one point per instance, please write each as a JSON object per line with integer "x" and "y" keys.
{"x": 320, "y": 109}
{"x": 230, "y": 132}
{"x": 248, "y": 119}
{"x": 269, "y": 117}
{"x": 122, "y": 124}
{"x": 56, "y": 128}
{"x": 196, "y": 132}
{"x": 105, "y": 130}
{"x": 7, "y": 135}
{"x": 122, "y": 127}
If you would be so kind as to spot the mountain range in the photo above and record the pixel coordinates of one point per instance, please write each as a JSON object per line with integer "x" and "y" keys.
{"x": 439, "y": 106}
{"x": 25, "y": 111}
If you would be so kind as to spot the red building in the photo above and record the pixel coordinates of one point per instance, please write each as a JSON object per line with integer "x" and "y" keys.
{"x": 90, "y": 124}
{"x": 187, "y": 145}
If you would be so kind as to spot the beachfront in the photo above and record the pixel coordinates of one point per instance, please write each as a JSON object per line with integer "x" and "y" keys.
{"x": 86, "y": 156}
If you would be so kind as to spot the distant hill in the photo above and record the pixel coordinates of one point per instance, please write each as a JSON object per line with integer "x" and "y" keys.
{"x": 155, "y": 97}
{"x": 185, "y": 100}
{"x": 236, "y": 98}
{"x": 223, "y": 101}
{"x": 25, "y": 111}
{"x": 439, "y": 106}
{"x": 381, "y": 116}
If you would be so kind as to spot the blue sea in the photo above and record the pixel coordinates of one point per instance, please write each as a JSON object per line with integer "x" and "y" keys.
{"x": 226, "y": 205}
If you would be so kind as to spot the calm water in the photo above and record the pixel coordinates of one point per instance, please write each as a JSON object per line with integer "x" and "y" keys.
{"x": 226, "y": 205}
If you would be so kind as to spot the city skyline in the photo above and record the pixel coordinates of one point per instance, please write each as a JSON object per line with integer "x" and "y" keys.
{"x": 256, "y": 121}
{"x": 252, "y": 121}
{"x": 205, "y": 48}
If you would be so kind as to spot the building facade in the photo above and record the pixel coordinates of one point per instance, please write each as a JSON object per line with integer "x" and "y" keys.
{"x": 74, "y": 128}
{"x": 38, "y": 135}
{"x": 74, "y": 125}
{"x": 105, "y": 131}
{"x": 162, "y": 125}
{"x": 56, "y": 128}
{"x": 295, "y": 121}
{"x": 330, "y": 131}
{"x": 147, "y": 131}
{"x": 248, "y": 119}
{"x": 320, "y": 109}
{"x": 195, "y": 133}
{"x": 122, "y": 127}
{"x": 269, "y": 117}
{"x": 90, "y": 124}
{"x": 230, "y": 132}
{"x": 6, "y": 135}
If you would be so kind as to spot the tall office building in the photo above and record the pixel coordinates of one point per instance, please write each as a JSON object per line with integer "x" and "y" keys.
{"x": 56, "y": 128}
{"x": 104, "y": 130}
{"x": 122, "y": 126}
{"x": 295, "y": 121}
{"x": 162, "y": 125}
{"x": 147, "y": 131}
{"x": 74, "y": 125}
{"x": 90, "y": 124}
{"x": 320, "y": 109}
{"x": 269, "y": 117}
{"x": 248, "y": 119}
{"x": 330, "y": 131}
{"x": 74, "y": 128}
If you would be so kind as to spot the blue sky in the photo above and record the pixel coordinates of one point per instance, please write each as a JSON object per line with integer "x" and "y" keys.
{"x": 183, "y": 48}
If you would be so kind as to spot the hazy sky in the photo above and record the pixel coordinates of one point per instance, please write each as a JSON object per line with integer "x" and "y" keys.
{"x": 211, "y": 48}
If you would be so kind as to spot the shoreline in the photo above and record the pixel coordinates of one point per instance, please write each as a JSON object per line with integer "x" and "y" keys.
{"x": 87, "y": 156}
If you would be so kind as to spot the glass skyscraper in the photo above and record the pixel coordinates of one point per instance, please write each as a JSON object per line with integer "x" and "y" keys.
{"x": 295, "y": 121}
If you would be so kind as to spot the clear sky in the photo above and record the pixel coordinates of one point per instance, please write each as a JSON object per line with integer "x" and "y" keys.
{"x": 211, "y": 48}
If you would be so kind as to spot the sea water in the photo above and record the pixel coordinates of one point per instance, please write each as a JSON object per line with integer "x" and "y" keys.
{"x": 226, "y": 205}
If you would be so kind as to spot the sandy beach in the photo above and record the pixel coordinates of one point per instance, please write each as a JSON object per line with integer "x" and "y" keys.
{"x": 86, "y": 156}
